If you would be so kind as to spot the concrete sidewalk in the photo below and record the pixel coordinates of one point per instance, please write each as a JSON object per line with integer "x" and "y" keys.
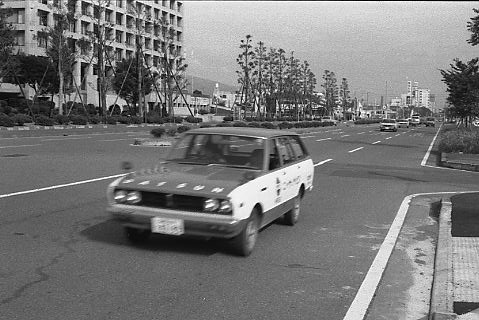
{"x": 455, "y": 292}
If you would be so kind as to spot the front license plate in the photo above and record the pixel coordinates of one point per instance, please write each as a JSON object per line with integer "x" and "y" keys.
{"x": 167, "y": 226}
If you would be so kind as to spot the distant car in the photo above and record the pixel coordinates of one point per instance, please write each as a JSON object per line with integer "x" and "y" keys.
{"x": 403, "y": 123}
{"x": 415, "y": 120}
{"x": 329, "y": 119}
{"x": 388, "y": 125}
{"x": 216, "y": 182}
{"x": 430, "y": 122}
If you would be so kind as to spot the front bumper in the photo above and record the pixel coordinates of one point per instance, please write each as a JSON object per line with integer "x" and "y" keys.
{"x": 392, "y": 128}
{"x": 197, "y": 224}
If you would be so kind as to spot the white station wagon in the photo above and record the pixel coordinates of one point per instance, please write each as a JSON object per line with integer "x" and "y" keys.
{"x": 216, "y": 182}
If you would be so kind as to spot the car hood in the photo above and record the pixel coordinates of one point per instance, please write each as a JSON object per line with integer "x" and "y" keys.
{"x": 201, "y": 180}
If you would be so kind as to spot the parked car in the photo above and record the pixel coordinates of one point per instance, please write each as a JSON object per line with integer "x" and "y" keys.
{"x": 388, "y": 124}
{"x": 216, "y": 182}
{"x": 403, "y": 123}
{"x": 430, "y": 122}
{"x": 329, "y": 119}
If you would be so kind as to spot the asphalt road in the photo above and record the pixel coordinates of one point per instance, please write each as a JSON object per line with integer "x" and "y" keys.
{"x": 62, "y": 258}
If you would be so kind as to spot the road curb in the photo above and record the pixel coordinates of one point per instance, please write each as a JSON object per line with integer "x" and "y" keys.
{"x": 442, "y": 294}
{"x": 457, "y": 165}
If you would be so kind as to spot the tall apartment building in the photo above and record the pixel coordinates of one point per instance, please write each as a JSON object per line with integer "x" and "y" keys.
{"x": 31, "y": 18}
{"x": 415, "y": 96}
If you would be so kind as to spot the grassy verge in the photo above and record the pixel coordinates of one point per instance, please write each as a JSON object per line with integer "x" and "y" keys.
{"x": 455, "y": 140}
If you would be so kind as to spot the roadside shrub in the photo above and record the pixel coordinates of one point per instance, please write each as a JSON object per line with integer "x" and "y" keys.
{"x": 124, "y": 119}
{"x": 94, "y": 120}
{"x": 228, "y": 118}
{"x": 460, "y": 140}
{"x": 62, "y": 119}
{"x": 367, "y": 121}
{"x": 158, "y": 132}
{"x": 182, "y": 129}
{"x": 192, "y": 119}
{"x": 203, "y": 112}
{"x": 78, "y": 120}
{"x": 285, "y": 125}
{"x": 21, "y": 119}
{"x": 153, "y": 117}
{"x": 42, "y": 120}
{"x": 239, "y": 124}
{"x": 177, "y": 119}
{"x": 6, "y": 121}
{"x": 205, "y": 125}
{"x": 268, "y": 125}
{"x": 111, "y": 120}
{"x": 171, "y": 132}
{"x": 254, "y": 124}
{"x": 224, "y": 124}
{"x": 136, "y": 120}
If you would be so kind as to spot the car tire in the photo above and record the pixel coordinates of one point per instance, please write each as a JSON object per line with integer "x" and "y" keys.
{"x": 244, "y": 243}
{"x": 291, "y": 217}
{"x": 136, "y": 235}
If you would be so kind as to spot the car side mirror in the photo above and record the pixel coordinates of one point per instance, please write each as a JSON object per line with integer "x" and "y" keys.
{"x": 126, "y": 165}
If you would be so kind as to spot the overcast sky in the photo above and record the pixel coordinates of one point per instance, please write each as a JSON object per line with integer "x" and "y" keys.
{"x": 377, "y": 46}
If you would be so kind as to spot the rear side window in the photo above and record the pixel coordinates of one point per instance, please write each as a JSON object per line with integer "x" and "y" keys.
{"x": 298, "y": 148}
{"x": 285, "y": 150}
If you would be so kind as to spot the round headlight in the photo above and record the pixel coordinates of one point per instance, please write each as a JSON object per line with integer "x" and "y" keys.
{"x": 133, "y": 197}
{"x": 119, "y": 196}
{"x": 211, "y": 205}
{"x": 225, "y": 206}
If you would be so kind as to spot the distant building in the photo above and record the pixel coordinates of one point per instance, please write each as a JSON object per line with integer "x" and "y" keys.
{"x": 31, "y": 17}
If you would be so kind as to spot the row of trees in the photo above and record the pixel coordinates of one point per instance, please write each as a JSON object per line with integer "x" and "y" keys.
{"x": 131, "y": 79}
{"x": 280, "y": 82}
{"x": 462, "y": 81}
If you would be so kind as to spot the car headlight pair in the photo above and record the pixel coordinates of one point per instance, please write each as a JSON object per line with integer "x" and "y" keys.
{"x": 128, "y": 197}
{"x": 217, "y": 205}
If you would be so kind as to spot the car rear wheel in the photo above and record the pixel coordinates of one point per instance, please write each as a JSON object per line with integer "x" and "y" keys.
{"x": 292, "y": 216}
{"x": 136, "y": 235}
{"x": 244, "y": 243}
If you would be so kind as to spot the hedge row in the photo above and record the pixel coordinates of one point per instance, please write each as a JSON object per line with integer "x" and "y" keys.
{"x": 42, "y": 120}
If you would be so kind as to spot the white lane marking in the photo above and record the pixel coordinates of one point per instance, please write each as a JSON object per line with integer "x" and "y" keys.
{"x": 376, "y": 142}
{"x": 60, "y": 186}
{"x": 24, "y": 145}
{"x": 323, "y": 139}
{"x": 426, "y": 156}
{"x": 354, "y": 150}
{"x": 397, "y": 135}
{"x": 323, "y": 162}
{"x": 388, "y": 138}
{"x": 359, "y": 307}
{"x": 307, "y": 136}
{"x": 346, "y": 135}
{"x": 361, "y": 132}
{"x": 65, "y": 139}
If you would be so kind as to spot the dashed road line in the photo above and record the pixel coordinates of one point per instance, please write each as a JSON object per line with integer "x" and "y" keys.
{"x": 323, "y": 139}
{"x": 388, "y": 138}
{"x": 361, "y": 132}
{"x": 24, "y": 145}
{"x": 56, "y": 139}
{"x": 323, "y": 162}
{"x": 354, "y": 150}
{"x": 376, "y": 142}
{"x": 345, "y": 135}
{"x": 60, "y": 186}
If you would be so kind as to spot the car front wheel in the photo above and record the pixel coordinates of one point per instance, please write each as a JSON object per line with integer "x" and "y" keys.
{"x": 243, "y": 244}
{"x": 292, "y": 216}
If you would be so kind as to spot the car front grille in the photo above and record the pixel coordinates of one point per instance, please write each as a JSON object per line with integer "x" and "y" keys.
{"x": 171, "y": 201}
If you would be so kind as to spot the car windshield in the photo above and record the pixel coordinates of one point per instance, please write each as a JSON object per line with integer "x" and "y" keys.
{"x": 218, "y": 149}
{"x": 389, "y": 121}
{"x": 403, "y": 120}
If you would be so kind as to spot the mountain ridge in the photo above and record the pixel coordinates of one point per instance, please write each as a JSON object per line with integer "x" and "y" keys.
{"x": 207, "y": 86}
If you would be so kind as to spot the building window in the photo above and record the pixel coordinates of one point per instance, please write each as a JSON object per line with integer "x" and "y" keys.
{"x": 119, "y": 19}
{"x": 43, "y": 1}
{"x": 43, "y": 18}
{"x": 119, "y": 3}
{"x": 180, "y": 7}
{"x": 42, "y": 39}
{"x": 118, "y": 54}
{"x": 20, "y": 16}
{"x": 108, "y": 16}
{"x": 84, "y": 27}
{"x": 172, "y": 4}
{"x": 118, "y": 36}
{"x": 84, "y": 9}
{"x": 163, "y": 3}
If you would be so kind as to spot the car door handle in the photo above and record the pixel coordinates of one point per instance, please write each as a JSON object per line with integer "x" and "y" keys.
{"x": 264, "y": 189}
